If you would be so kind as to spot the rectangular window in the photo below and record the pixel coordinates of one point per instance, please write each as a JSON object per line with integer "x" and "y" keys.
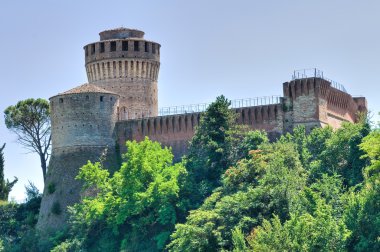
{"x": 124, "y": 45}
{"x": 86, "y": 50}
{"x": 93, "y": 49}
{"x": 136, "y": 46}
{"x": 113, "y": 46}
{"x": 153, "y": 48}
{"x": 146, "y": 46}
{"x": 101, "y": 98}
{"x": 102, "y": 47}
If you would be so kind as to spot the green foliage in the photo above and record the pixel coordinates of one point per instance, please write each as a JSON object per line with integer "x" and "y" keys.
{"x": 141, "y": 197}
{"x": 68, "y": 246}
{"x": 56, "y": 208}
{"x": 51, "y": 188}
{"x": 267, "y": 183}
{"x": 297, "y": 180}
{"x": 31, "y": 192}
{"x": 319, "y": 231}
{"x": 17, "y": 222}
{"x": 30, "y": 121}
{"x": 342, "y": 153}
{"x": 241, "y": 142}
{"x": 238, "y": 241}
{"x": 316, "y": 226}
{"x": 362, "y": 215}
{"x": 5, "y": 185}
{"x": 371, "y": 147}
{"x": 209, "y": 149}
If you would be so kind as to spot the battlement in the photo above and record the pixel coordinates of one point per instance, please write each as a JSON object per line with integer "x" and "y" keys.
{"x": 122, "y": 48}
{"x": 176, "y": 130}
{"x": 318, "y": 101}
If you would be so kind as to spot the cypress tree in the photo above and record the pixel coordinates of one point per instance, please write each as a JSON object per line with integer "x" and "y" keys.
{"x": 5, "y": 185}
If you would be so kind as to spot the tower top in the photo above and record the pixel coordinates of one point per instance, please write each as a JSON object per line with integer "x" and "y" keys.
{"x": 121, "y": 33}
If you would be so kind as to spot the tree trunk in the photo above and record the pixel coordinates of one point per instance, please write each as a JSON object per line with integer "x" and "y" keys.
{"x": 43, "y": 165}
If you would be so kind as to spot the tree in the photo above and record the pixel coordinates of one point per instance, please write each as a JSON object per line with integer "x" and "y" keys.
{"x": 30, "y": 121}
{"x": 209, "y": 148}
{"x": 342, "y": 154}
{"x": 5, "y": 185}
{"x": 135, "y": 209}
{"x": 363, "y": 216}
{"x": 268, "y": 183}
{"x": 318, "y": 231}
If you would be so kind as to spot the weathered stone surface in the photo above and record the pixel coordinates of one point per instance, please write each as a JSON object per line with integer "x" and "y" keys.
{"x": 62, "y": 189}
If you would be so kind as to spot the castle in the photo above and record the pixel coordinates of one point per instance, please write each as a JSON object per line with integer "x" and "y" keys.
{"x": 120, "y": 103}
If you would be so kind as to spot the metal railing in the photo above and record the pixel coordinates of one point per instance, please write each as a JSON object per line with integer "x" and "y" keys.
{"x": 316, "y": 73}
{"x": 201, "y": 107}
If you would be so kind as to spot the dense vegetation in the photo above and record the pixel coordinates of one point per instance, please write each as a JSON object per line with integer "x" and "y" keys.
{"x": 235, "y": 191}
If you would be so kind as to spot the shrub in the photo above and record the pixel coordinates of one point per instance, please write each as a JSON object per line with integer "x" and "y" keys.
{"x": 56, "y": 208}
{"x": 51, "y": 188}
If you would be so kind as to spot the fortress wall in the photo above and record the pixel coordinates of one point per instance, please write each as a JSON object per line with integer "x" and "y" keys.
{"x": 341, "y": 107}
{"x": 266, "y": 117}
{"x": 174, "y": 131}
{"x": 177, "y": 130}
{"x": 314, "y": 102}
{"x": 300, "y": 103}
{"x": 63, "y": 167}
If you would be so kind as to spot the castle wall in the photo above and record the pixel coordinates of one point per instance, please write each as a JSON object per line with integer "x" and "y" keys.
{"x": 176, "y": 131}
{"x": 300, "y": 103}
{"x": 314, "y": 102}
{"x": 61, "y": 188}
{"x": 340, "y": 107}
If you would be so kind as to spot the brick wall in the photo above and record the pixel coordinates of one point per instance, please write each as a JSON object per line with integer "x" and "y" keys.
{"x": 176, "y": 131}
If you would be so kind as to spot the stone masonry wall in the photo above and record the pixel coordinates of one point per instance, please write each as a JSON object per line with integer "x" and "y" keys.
{"x": 314, "y": 102}
{"x": 176, "y": 131}
{"x": 86, "y": 119}
{"x": 62, "y": 189}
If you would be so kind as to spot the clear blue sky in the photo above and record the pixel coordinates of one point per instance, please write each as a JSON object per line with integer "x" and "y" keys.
{"x": 237, "y": 48}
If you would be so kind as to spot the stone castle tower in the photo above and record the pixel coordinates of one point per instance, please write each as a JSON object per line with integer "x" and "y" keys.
{"x": 122, "y": 70}
{"x": 124, "y": 63}
{"x": 120, "y": 103}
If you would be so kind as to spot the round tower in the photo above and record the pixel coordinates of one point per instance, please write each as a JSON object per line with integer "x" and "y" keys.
{"x": 83, "y": 116}
{"x": 123, "y": 62}
{"x": 82, "y": 128}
